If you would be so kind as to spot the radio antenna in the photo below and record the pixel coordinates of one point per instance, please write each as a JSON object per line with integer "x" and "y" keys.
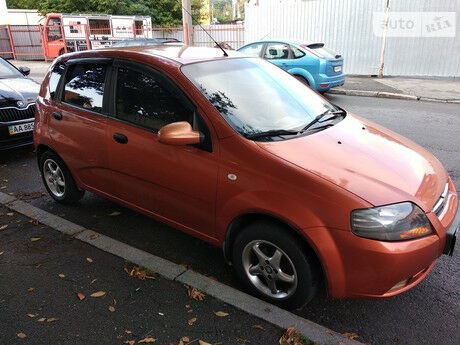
{"x": 207, "y": 33}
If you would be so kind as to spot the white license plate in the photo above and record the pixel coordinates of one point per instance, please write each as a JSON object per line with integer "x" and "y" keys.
{"x": 337, "y": 68}
{"x": 22, "y": 128}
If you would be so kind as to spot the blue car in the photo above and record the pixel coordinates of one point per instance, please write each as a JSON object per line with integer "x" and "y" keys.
{"x": 312, "y": 63}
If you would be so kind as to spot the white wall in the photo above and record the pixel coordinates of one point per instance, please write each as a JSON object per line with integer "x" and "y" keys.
{"x": 347, "y": 27}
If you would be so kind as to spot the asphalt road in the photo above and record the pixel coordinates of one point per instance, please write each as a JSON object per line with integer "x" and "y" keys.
{"x": 41, "y": 279}
{"x": 428, "y": 314}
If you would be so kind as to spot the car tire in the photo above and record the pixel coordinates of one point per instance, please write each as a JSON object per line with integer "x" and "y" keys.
{"x": 58, "y": 180}
{"x": 289, "y": 282}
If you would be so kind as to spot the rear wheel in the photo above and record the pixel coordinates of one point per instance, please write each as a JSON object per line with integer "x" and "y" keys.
{"x": 274, "y": 266}
{"x": 58, "y": 180}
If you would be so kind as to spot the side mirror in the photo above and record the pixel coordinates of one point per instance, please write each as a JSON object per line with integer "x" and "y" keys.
{"x": 24, "y": 70}
{"x": 179, "y": 133}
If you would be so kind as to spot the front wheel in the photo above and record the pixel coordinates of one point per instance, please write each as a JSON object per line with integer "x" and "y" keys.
{"x": 274, "y": 266}
{"x": 58, "y": 180}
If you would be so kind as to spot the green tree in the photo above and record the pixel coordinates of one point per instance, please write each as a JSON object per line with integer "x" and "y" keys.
{"x": 163, "y": 12}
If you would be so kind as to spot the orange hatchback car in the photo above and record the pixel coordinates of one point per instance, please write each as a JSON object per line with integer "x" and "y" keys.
{"x": 237, "y": 152}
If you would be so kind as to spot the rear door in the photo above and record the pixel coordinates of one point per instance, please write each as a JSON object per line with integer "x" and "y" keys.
{"x": 176, "y": 183}
{"x": 77, "y": 121}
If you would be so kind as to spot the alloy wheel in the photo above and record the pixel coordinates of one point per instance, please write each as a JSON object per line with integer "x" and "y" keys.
{"x": 269, "y": 269}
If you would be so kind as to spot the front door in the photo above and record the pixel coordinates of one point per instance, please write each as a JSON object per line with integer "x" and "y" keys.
{"x": 174, "y": 183}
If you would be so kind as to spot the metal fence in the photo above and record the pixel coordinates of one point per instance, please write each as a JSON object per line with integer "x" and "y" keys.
{"x": 27, "y": 42}
{"x": 347, "y": 27}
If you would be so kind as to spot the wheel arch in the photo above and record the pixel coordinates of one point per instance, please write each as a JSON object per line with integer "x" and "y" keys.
{"x": 304, "y": 74}
{"x": 240, "y": 222}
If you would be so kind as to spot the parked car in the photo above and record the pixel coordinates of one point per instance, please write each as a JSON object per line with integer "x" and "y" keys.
{"x": 312, "y": 63}
{"x": 146, "y": 42}
{"x": 17, "y": 105}
{"x": 293, "y": 188}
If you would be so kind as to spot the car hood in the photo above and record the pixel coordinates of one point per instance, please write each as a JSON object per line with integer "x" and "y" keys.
{"x": 369, "y": 161}
{"x": 13, "y": 90}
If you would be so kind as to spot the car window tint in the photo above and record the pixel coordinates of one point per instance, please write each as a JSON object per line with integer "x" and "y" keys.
{"x": 252, "y": 50}
{"x": 142, "y": 100}
{"x": 55, "y": 76}
{"x": 297, "y": 53}
{"x": 84, "y": 86}
{"x": 276, "y": 51}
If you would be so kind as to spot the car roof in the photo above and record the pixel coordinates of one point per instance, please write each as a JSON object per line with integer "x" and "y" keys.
{"x": 288, "y": 41}
{"x": 181, "y": 54}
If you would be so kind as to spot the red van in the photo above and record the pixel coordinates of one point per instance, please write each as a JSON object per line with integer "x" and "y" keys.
{"x": 237, "y": 152}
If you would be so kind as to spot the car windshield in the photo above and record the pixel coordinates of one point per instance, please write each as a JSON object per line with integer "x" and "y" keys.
{"x": 8, "y": 71}
{"x": 255, "y": 96}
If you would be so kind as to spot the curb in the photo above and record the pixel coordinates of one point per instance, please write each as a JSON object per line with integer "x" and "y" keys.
{"x": 391, "y": 95}
{"x": 171, "y": 271}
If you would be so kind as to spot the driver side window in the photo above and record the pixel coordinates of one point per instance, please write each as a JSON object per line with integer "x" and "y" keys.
{"x": 252, "y": 49}
{"x": 142, "y": 100}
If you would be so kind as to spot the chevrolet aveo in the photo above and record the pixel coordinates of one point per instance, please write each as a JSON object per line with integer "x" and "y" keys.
{"x": 235, "y": 151}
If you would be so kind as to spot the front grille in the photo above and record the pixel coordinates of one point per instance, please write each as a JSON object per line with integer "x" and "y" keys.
{"x": 15, "y": 114}
{"x": 442, "y": 201}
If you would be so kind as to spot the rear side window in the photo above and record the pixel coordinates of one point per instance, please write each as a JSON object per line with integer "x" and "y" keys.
{"x": 276, "y": 51}
{"x": 143, "y": 101}
{"x": 55, "y": 76}
{"x": 297, "y": 53}
{"x": 84, "y": 86}
{"x": 252, "y": 49}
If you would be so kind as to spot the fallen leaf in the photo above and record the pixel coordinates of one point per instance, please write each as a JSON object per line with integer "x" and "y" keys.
{"x": 195, "y": 294}
{"x": 258, "y": 327}
{"x": 112, "y": 309}
{"x": 138, "y": 273}
{"x": 22, "y": 335}
{"x": 128, "y": 332}
{"x": 98, "y": 294}
{"x": 221, "y": 313}
{"x": 2, "y": 227}
{"x": 192, "y": 321}
{"x": 61, "y": 275}
{"x": 34, "y": 221}
{"x": 93, "y": 236}
{"x": 51, "y": 319}
{"x": 147, "y": 340}
{"x": 89, "y": 260}
{"x": 184, "y": 340}
{"x": 115, "y": 213}
{"x": 41, "y": 319}
{"x": 201, "y": 342}
{"x": 92, "y": 281}
{"x": 293, "y": 337}
{"x": 33, "y": 239}
{"x": 32, "y": 315}
{"x": 30, "y": 289}
{"x": 351, "y": 335}
{"x": 80, "y": 296}
{"x": 130, "y": 342}
{"x": 1, "y": 253}
{"x": 10, "y": 214}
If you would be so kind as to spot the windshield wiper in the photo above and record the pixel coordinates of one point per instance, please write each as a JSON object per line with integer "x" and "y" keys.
{"x": 271, "y": 133}
{"x": 317, "y": 119}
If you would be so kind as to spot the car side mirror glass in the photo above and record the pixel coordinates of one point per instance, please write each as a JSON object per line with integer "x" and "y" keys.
{"x": 24, "y": 70}
{"x": 179, "y": 133}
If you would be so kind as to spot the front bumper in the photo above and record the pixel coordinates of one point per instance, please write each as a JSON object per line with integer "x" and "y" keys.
{"x": 360, "y": 267}
{"x": 8, "y": 141}
{"x": 451, "y": 235}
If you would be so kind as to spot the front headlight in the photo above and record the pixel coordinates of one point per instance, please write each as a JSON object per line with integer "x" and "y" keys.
{"x": 391, "y": 222}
